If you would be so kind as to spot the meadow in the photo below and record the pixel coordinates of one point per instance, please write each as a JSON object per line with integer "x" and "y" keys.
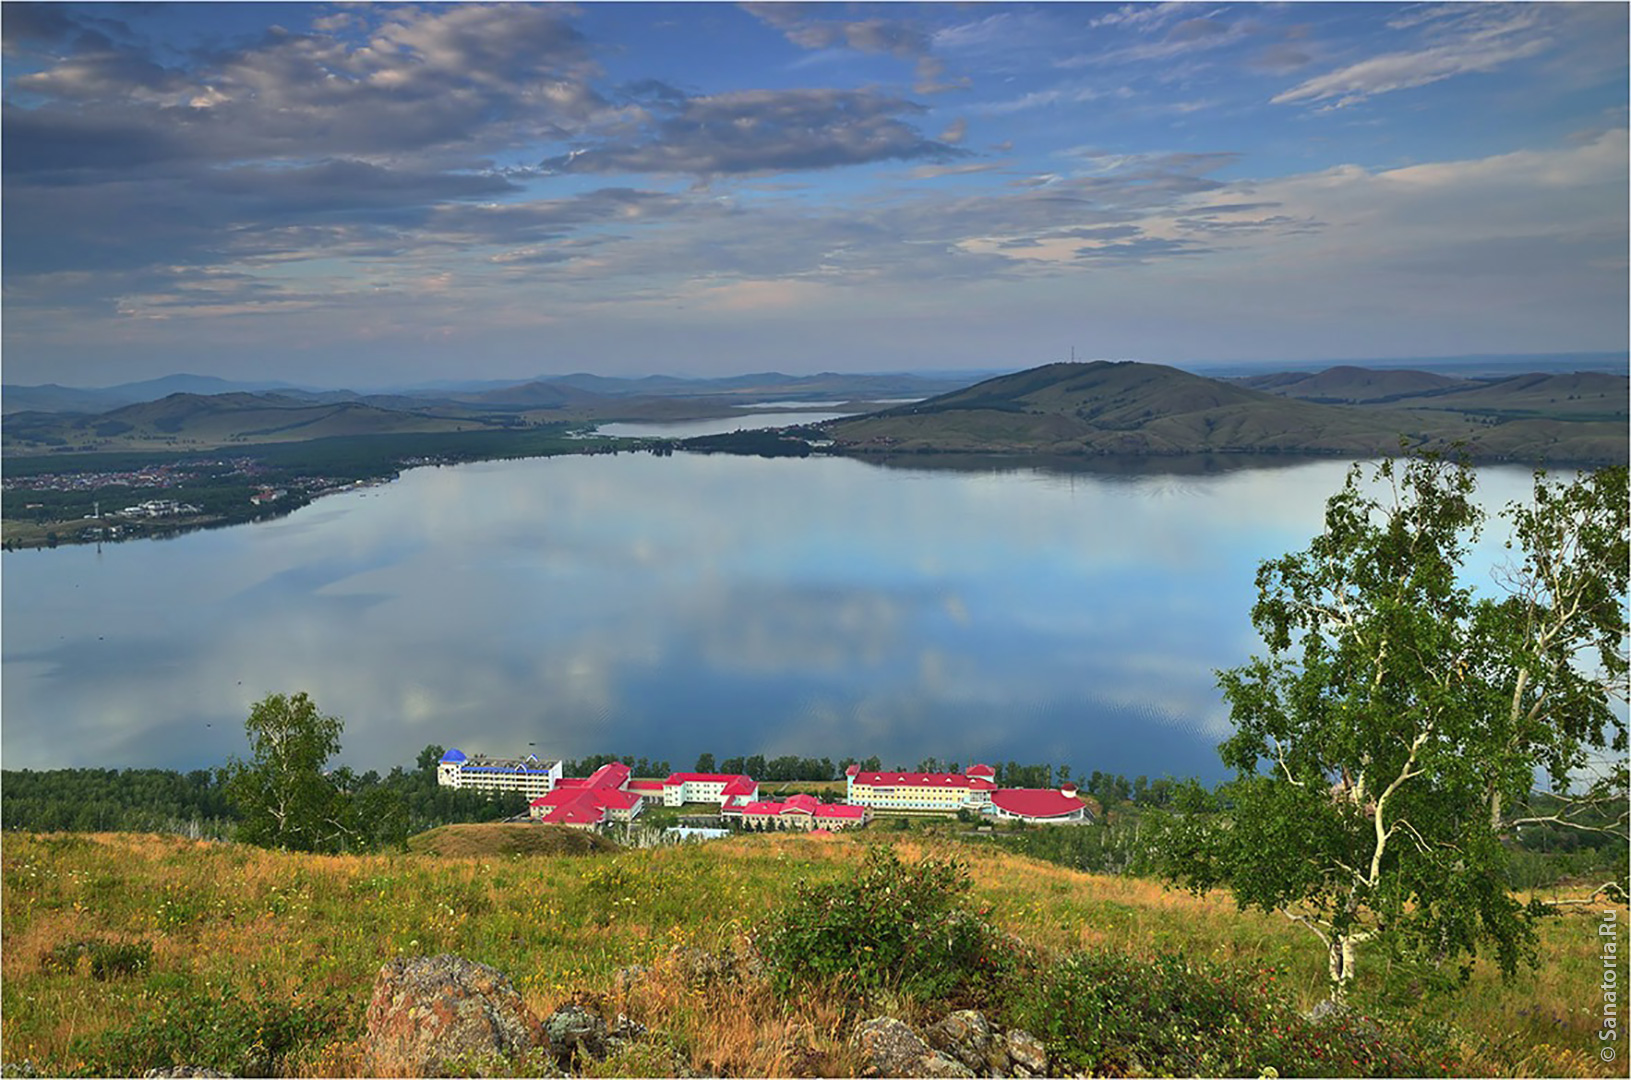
{"x": 122, "y": 949}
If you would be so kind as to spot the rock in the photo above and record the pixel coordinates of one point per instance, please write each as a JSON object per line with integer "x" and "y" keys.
{"x": 1025, "y": 1051}
{"x": 575, "y": 1034}
{"x": 890, "y": 1048}
{"x": 182, "y": 1071}
{"x": 969, "y": 1037}
{"x": 698, "y": 967}
{"x": 427, "y": 1010}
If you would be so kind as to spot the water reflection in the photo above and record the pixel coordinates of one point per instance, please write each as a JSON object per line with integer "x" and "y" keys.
{"x": 664, "y": 607}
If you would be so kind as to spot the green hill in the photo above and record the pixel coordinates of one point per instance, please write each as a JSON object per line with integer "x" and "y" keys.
{"x": 1129, "y": 408}
{"x": 1356, "y": 385}
{"x": 124, "y": 953}
{"x": 501, "y": 838}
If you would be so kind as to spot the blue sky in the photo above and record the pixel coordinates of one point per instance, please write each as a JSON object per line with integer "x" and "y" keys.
{"x": 378, "y": 194}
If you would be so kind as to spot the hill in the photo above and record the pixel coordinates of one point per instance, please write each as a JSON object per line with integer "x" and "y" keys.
{"x": 215, "y": 420}
{"x": 208, "y": 947}
{"x": 1130, "y": 408}
{"x": 502, "y": 838}
{"x": 1356, "y": 385}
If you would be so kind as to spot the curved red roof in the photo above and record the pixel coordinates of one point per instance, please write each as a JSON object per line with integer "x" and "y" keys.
{"x": 1035, "y": 802}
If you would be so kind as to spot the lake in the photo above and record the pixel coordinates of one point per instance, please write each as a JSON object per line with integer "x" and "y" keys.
{"x": 663, "y": 607}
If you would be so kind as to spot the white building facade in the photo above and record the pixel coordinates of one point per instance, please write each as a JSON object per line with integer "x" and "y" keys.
{"x": 527, "y": 776}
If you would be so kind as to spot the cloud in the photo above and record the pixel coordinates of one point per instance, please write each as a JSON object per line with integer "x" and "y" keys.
{"x": 1466, "y": 39}
{"x": 765, "y": 131}
{"x": 802, "y": 25}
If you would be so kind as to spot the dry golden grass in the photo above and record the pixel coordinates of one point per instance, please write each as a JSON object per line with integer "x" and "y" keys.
{"x": 306, "y": 928}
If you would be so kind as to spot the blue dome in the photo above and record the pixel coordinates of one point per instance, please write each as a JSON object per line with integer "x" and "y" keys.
{"x": 454, "y": 755}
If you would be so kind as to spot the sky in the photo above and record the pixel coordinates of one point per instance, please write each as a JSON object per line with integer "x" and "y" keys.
{"x": 377, "y": 195}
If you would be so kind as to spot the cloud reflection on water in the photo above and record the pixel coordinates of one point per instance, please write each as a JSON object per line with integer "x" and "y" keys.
{"x": 664, "y": 607}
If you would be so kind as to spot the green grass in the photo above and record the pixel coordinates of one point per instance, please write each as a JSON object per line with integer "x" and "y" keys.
{"x": 291, "y": 944}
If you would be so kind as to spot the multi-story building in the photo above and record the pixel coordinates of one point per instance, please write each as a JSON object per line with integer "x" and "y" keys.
{"x": 799, "y": 812}
{"x": 586, "y": 803}
{"x": 723, "y": 788}
{"x": 914, "y": 791}
{"x": 527, "y": 776}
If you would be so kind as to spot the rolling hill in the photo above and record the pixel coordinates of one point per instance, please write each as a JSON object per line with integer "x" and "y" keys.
{"x": 214, "y": 420}
{"x": 1356, "y": 385}
{"x": 1130, "y": 408}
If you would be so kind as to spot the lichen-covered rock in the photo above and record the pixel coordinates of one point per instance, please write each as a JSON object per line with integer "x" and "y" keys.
{"x": 969, "y": 1037}
{"x": 1026, "y": 1054}
{"x": 575, "y": 1034}
{"x": 890, "y": 1048}
{"x": 427, "y": 1010}
{"x": 699, "y": 967}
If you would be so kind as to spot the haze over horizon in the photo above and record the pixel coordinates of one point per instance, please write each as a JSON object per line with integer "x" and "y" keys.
{"x": 387, "y": 195}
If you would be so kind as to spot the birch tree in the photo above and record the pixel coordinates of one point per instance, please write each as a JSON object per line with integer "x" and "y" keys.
{"x": 281, "y": 791}
{"x": 1400, "y": 726}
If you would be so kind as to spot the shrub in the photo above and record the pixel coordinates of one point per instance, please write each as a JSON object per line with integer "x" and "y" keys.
{"x": 888, "y": 927}
{"x": 108, "y": 958}
{"x": 215, "y": 1027}
{"x": 1107, "y": 1013}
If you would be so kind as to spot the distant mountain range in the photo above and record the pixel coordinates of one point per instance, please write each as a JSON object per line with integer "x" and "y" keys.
{"x": 1121, "y": 408}
{"x": 544, "y": 391}
{"x": 1129, "y": 408}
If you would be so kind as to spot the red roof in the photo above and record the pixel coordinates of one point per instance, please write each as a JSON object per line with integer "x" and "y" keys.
{"x": 912, "y": 779}
{"x": 982, "y": 770}
{"x": 1035, "y": 802}
{"x": 570, "y": 782}
{"x": 613, "y": 775}
{"x": 802, "y": 803}
{"x": 852, "y": 770}
{"x": 976, "y": 784}
{"x": 840, "y": 810}
{"x": 644, "y": 785}
{"x": 705, "y": 778}
{"x": 584, "y": 805}
{"x": 741, "y": 785}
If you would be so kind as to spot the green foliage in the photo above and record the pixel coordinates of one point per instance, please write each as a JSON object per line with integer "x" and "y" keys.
{"x": 282, "y": 794}
{"x": 108, "y": 959}
{"x": 1101, "y": 849}
{"x": 1398, "y": 719}
{"x": 890, "y": 927}
{"x": 1107, "y": 1013}
{"x": 217, "y": 1027}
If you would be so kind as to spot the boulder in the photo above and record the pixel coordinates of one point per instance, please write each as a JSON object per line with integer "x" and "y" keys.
{"x": 1026, "y": 1054}
{"x": 427, "y": 1010}
{"x": 969, "y": 1037}
{"x": 575, "y": 1034}
{"x": 890, "y": 1048}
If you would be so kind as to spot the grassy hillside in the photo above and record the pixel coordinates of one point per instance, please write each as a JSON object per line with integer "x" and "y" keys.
{"x": 1148, "y": 409}
{"x": 242, "y": 940}
{"x": 1353, "y": 385}
{"x": 215, "y": 420}
{"x": 500, "y": 839}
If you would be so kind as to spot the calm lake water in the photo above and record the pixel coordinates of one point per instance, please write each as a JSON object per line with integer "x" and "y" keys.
{"x": 668, "y": 606}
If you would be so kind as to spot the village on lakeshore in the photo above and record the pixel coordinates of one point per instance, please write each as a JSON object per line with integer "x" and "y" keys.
{"x": 611, "y": 795}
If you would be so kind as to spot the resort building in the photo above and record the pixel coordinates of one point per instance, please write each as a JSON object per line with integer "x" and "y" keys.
{"x": 528, "y": 776}
{"x": 1041, "y": 806}
{"x": 800, "y": 812}
{"x": 913, "y": 791}
{"x": 723, "y": 788}
{"x": 597, "y": 800}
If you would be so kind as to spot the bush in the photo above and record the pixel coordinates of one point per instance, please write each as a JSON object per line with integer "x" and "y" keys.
{"x": 215, "y": 1027}
{"x": 109, "y": 959}
{"x": 1106, "y": 1013}
{"x": 888, "y": 927}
